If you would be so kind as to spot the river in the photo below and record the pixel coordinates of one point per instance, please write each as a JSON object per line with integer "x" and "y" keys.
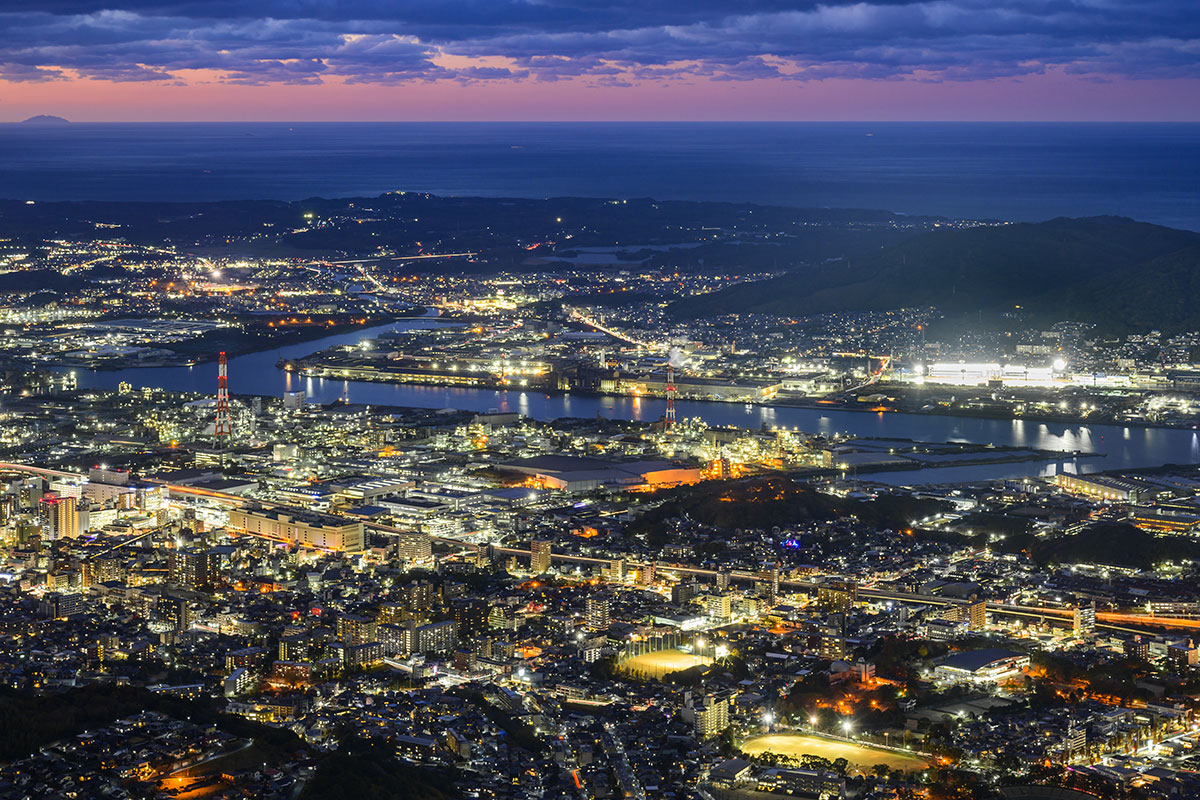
{"x": 1121, "y": 447}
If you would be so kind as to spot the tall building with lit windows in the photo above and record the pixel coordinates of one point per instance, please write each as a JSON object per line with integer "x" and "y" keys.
{"x": 766, "y": 582}
{"x": 539, "y": 556}
{"x": 192, "y": 569}
{"x": 354, "y": 629}
{"x": 173, "y": 611}
{"x": 414, "y": 547}
{"x": 596, "y": 609}
{"x": 837, "y": 596}
{"x": 471, "y": 614}
{"x": 1083, "y": 619}
{"x": 59, "y": 517}
{"x": 977, "y": 615}
{"x": 712, "y": 716}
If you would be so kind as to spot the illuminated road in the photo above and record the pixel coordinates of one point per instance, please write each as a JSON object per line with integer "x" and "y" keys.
{"x": 421, "y": 257}
{"x": 1113, "y": 620}
{"x": 884, "y": 362}
{"x": 45, "y": 473}
{"x": 591, "y": 323}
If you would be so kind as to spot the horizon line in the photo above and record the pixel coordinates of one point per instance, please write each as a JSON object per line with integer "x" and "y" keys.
{"x": 65, "y": 121}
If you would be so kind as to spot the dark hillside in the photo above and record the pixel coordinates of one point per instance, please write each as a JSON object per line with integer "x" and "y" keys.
{"x": 1099, "y": 269}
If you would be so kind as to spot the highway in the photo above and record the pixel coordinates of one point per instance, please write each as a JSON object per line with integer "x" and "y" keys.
{"x": 1111, "y": 620}
{"x": 591, "y": 323}
{"x": 43, "y": 472}
{"x": 420, "y": 257}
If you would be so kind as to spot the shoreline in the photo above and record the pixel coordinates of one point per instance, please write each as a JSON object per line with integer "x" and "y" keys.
{"x": 809, "y": 404}
{"x": 289, "y": 339}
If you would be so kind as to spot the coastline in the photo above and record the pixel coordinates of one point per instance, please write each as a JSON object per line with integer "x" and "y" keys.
{"x": 209, "y": 354}
{"x": 803, "y": 403}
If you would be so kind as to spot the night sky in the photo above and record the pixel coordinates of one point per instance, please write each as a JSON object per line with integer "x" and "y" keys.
{"x": 576, "y": 59}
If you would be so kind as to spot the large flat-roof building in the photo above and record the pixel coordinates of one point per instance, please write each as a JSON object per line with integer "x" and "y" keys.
{"x": 1104, "y": 487}
{"x": 297, "y": 526}
{"x": 989, "y": 665}
{"x": 577, "y": 474}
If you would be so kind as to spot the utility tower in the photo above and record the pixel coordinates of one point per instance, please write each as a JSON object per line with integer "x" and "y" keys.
{"x": 669, "y": 417}
{"x": 223, "y": 428}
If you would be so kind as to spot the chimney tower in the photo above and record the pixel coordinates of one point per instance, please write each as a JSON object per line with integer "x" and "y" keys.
{"x": 222, "y": 428}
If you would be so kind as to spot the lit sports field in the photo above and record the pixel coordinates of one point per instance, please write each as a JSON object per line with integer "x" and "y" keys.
{"x": 655, "y": 665}
{"x": 861, "y": 758}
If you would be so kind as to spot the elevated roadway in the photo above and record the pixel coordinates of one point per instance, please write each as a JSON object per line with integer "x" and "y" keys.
{"x": 1112, "y": 620}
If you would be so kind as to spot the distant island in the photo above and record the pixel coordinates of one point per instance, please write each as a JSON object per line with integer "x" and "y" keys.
{"x": 45, "y": 119}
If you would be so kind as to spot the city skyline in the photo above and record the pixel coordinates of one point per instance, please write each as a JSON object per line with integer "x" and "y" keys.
{"x": 551, "y": 400}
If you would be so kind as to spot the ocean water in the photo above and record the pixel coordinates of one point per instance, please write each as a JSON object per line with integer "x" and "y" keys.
{"x": 1013, "y": 171}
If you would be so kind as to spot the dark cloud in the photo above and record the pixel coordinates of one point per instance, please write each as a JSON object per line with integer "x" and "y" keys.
{"x": 613, "y": 44}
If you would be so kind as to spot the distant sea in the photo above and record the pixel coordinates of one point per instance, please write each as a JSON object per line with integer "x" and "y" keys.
{"x": 1010, "y": 171}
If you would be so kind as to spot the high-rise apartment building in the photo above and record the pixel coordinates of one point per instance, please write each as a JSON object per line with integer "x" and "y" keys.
{"x": 59, "y": 516}
{"x": 539, "y": 556}
{"x": 596, "y": 610}
{"x": 192, "y": 569}
{"x": 712, "y": 716}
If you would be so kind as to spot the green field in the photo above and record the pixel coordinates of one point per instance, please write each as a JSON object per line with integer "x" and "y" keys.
{"x": 861, "y": 757}
{"x": 663, "y": 662}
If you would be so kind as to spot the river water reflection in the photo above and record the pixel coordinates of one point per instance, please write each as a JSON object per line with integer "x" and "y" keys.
{"x": 1122, "y": 447}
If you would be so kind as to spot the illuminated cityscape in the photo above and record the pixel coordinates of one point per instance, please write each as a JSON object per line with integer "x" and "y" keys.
{"x": 600, "y": 401}
{"x": 717, "y": 575}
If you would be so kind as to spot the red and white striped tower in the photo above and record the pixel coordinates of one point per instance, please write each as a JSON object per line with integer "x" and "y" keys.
{"x": 223, "y": 428}
{"x": 669, "y": 417}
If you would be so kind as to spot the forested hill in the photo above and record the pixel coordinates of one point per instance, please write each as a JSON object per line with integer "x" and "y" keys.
{"x": 1109, "y": 270}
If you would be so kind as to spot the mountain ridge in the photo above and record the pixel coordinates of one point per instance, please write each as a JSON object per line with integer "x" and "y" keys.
{"x": 1106, "y": 270}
